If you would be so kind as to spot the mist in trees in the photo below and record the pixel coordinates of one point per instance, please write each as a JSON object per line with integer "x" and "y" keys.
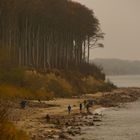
{"x": 47, "y": 34}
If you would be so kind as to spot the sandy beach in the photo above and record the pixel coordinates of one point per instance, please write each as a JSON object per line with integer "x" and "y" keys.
{"x": 119, "y": 120}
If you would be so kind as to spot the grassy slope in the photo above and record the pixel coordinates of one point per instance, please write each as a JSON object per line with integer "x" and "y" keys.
{"x": 33, "y": 85}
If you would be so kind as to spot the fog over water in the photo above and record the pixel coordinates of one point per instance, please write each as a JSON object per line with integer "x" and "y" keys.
{"x": 120, "y": 20}
{"x": 125, "y": 80}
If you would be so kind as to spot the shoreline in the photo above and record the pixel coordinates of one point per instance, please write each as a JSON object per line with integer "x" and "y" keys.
{"x": 63, "y": 126}
{"x": 117, "y": 124}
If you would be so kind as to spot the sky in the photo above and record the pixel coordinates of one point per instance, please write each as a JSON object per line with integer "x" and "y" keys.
{"x": 120, "y": 21}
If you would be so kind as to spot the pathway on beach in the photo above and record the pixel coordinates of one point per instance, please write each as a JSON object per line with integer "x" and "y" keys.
{"x": 117, "y": 124}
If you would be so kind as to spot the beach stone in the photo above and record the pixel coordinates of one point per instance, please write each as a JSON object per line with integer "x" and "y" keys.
{"x": 97, "y": 120}
{"x": 63, "y": 136}
{"x": 77, "y": 132}
{"x": 96, "y": 114}
{"x": 67, "y": 124}
{"x": 91, "y": 124}
{"x": 71, "y": 132}
{"x": 95, "y": 117}
{"x": 50, "y": 137}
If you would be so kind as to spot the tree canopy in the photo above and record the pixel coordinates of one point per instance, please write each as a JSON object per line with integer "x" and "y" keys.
{"x": 47, "y": 34}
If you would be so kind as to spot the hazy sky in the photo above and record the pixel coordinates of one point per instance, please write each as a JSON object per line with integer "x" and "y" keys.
{"x": 120, "y": 20}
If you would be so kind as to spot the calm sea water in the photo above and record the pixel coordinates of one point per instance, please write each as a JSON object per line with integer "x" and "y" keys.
{"x": 125, "y": 80}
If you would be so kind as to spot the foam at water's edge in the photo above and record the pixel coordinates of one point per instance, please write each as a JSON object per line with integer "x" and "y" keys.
{"x": 99, "y": 110}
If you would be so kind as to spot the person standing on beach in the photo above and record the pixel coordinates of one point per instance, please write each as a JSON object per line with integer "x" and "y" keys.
{"x": 69, "y": 109}
{"x": 48, "y": 118}
{"x": 23, "y": 104}
{"x": 80, "y": 107}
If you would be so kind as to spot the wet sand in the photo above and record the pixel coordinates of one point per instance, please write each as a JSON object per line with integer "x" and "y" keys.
{"x": 117, "y": 124}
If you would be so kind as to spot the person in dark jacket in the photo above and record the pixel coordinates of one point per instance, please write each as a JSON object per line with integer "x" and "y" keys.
{"x": 23, "y": 104}
{"x": 48, "y": 118}
{"x": 80, "y": 107}
{"x": 69, "y": 109}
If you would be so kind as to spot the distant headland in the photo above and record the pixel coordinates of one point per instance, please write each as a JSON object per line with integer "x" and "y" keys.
{"x": 118, "y": 66}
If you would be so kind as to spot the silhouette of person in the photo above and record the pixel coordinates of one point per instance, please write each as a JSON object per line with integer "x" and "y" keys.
{"x": 69, "y": 109}
{"x": 23, "y": 104}
{"x": 80, "y": 107}
{"x": 48, "y": 118}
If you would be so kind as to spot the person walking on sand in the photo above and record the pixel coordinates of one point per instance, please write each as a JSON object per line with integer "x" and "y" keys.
{"x": 48, "y": 118}
{"x": 69, "y": 109}
{"x": 80, "y": 107}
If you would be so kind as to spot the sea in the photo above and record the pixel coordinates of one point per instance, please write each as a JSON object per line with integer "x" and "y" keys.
{"x": 113, "y": 127}
{"x": 125, "y": 80}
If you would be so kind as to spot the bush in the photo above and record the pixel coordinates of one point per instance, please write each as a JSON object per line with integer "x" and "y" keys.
{"x": 12, "y": 91}
{"x": 107, "y": 86}
{"x": 86, "y": 69}
{"x": 7, "y": 130}
{"x": 59, "y": 86}
{"x": 91, "y": 84}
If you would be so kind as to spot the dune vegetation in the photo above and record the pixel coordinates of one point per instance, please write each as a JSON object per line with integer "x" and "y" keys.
{"x": 7, "y": 130}
{"x": 20, "y": 83}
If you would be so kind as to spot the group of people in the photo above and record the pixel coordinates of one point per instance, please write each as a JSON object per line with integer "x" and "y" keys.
{"x": 85, "y": 104}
